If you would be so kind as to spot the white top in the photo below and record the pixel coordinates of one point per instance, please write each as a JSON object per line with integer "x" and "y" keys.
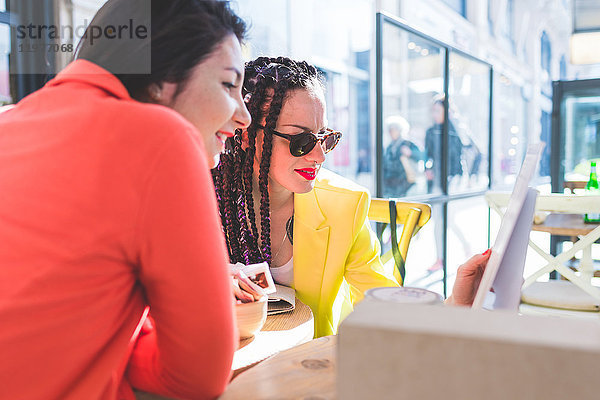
{"x": 284, "y": 275}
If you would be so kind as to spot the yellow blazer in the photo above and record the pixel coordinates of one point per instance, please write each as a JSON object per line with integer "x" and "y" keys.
{"x": 336, "y": 253}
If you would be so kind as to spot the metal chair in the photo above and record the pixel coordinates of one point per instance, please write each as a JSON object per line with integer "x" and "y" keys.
{"x": 412, "y": 216}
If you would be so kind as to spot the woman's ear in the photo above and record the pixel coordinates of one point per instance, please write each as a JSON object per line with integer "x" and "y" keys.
{"x": 155, "y": 93}
{"x": 162, "y": 93}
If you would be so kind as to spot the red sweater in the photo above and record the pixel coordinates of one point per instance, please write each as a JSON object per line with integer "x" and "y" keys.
{"x": 107, "y": 206}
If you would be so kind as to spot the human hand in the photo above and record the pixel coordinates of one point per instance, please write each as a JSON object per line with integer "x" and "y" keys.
{"x": 244, "y": 290}
{"x": 468, "y": 278}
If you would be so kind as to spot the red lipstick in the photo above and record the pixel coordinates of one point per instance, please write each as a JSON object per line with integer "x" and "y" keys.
{"x": 307, "y": 173}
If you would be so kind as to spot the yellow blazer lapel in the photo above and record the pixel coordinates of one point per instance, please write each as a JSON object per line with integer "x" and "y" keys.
{"x": 311, "y": 238}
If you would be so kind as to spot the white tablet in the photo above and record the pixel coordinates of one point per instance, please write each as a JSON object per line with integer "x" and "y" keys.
{"x": 504, "y": 271}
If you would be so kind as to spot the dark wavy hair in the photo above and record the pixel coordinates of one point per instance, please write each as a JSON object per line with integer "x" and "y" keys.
{"x": 267, "y": 83}
{"x": 183, "y": 33}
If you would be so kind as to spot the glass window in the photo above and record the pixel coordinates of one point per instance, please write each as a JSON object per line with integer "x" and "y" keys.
{"x": 586, "y": 15}
{"x": 457, "y": 5}
{"x": 467, "y": 233}
{"x": 581, "y": 127}
{"x": 296, "y": 29}
{"x": 469, "y": 119}
{"x": 269, "y": 30}
{"x": 393, "y": 7}
{"x": 545, "y": 136}
{"x": 5, "y": 97}
{"x": 347, "y": 99}
{"x": 490, "y": 17}
{"x": 414, "y": 118}
{"x": 412, "y": 80}
{"x": 426, "y": 253}
{"x": 2, "y": 5}
{"x": 546, "y": 49}
{"x": 507, "y": 28}
{"x": 546, "y": 64}
{"x": 510, "y": 132}
{"x": 563, "y": 68}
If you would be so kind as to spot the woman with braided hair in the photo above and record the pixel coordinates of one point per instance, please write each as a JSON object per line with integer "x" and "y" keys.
{"x": 278, "y": 205}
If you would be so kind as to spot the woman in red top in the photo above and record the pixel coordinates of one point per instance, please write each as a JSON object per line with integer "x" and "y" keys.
{"x": 107, "y": 207}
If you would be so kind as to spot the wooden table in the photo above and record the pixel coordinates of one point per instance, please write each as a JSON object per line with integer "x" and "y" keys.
{"x": 564, "y": 225}
{"x": 280, "y": 332}
{"x": 307, "y": 371}
{"x": 572, "y": 185}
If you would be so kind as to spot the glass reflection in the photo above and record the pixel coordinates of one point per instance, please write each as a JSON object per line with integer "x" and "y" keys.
{"x": 353, "y": 156}
{"x": 424, "y": 266}
{"x": 469, "y": 114}
{"x": 467, "y": 233}
{"x": 581, "y": 124}
{"x": 412, "y": 77}
{"x": 433, "y": 148}
{"x": 510, "y": 131}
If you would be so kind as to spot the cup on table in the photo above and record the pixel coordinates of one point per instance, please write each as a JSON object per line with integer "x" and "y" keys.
{"x": 405, "y": 295}
{"x": 251, "y": 317}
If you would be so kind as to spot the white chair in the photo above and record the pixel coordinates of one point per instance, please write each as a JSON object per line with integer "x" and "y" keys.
{"x": 566, "y": 219}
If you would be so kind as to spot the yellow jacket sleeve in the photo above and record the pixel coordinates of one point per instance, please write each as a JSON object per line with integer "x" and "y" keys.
{"x": 364, "y": 269}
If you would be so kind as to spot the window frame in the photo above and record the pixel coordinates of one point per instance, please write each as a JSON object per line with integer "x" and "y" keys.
{"x": 383, "y": 18}
{"x": 443, "y": 198}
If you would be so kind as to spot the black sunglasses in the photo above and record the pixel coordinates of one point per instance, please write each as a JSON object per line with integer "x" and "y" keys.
{"x": 303, "y": 143}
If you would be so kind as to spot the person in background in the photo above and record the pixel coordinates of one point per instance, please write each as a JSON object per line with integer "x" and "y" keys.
{"x": 433, "y": 169}
{"x": 279, "y": 205}
{"x": 400, "y": 159}
{"x": 108, "y": 207}
{"x": 433, "y": 148}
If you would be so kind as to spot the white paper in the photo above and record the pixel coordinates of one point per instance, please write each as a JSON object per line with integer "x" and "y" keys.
{"x": 504, "y": 271}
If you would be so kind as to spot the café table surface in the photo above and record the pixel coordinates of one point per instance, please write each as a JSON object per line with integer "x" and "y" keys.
{"x": 564, "y": 225}
{"x": 307, "y": 371}
{"x": 572, "y": 185}
{"x": 280, "y": 332}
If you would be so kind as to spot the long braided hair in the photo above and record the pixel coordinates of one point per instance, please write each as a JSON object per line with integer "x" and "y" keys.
{"x": 267, "y": 82}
